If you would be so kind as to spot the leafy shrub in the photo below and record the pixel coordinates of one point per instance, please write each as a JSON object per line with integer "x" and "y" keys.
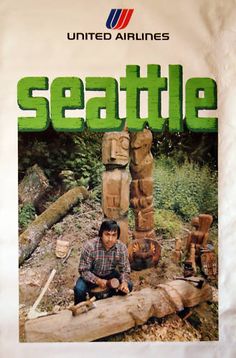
{"x": 55, "y": 152}
{"x": 86, "y": 162}
{"x": 187, "y": 189}
{"x": 26, "y": 215}
{"x": 167, "y": 223}
{"x": 58, "y": 228}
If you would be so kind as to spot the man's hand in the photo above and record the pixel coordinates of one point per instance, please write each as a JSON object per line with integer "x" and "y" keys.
{"x": 101, "y": 283}
{"x": 124, "y": 287}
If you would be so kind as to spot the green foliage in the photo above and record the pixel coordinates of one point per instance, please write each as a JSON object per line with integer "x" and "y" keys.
{"x": 68, "y": 179}
{"x": 86, "y": 162}
{"x": 187, "y": 189}
{"x": 198, "y": 147}
{"x": 96, "y": 193}
{"x": 54, "y": 152}
{"x": 167, "y": 223}
{"x": 70, "y": 184}
{"x": 76, "y": 209}
{"x": 26, "y": 215}
{"x": 131, "y": 219}
{"x": 58, "y": 228}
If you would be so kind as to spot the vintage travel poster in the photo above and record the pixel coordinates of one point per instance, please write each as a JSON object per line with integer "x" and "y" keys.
{"x": 117, "y": 178}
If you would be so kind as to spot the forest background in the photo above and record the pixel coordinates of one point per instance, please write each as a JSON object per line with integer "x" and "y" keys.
{"x": 185, "y": 172}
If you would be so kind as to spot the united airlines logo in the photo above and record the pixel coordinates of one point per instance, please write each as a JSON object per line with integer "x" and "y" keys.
{"x": 119, "y": 19}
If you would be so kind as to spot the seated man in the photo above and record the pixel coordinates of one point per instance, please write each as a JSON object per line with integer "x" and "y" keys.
{"x": 98, "y": 262}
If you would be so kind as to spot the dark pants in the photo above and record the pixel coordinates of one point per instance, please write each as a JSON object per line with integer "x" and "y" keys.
{"x": 82, "y": 287}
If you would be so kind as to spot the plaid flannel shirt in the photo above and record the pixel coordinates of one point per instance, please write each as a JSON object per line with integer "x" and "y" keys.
{"x": 96, "y": 261}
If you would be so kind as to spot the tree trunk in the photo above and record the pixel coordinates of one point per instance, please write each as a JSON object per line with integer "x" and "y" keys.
{"x": 116, "y": 314}
{"x": 31, "y": 237}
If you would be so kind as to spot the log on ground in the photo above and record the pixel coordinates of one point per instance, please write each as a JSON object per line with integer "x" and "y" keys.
{"x": 31, "y": 237}
{"x": 117, "y": 314}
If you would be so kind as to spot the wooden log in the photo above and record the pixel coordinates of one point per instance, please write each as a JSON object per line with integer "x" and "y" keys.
{"x": 31, "y": 237}
{"x": 117, "y": 314}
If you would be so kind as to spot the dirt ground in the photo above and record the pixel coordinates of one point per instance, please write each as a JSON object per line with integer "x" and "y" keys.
{"x": 81, "y": 224}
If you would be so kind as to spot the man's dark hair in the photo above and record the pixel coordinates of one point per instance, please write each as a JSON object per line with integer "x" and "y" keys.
{"x": 109, "y": 225}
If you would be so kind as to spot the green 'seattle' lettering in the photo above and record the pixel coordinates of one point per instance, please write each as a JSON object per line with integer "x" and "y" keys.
{"x": 26, "y": 101}
{"x": 102, "y": 112}
{"x": 194, "y": 103}
{"x": 60, "y": 102}
{"x": 133, "y": 84}
{"x": 109, "y": 103}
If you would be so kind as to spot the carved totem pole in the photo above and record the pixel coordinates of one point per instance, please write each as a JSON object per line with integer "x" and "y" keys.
{"x": 141, "y": 188}
{"x": 143, "y": 250}
{"x": 115, "y": 180}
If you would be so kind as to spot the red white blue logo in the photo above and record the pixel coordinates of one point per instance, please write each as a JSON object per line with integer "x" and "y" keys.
{"x": 119, "y": 19}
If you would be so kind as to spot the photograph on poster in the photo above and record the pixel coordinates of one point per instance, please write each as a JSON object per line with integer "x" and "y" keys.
{"x": 117, "y": 187}
{"x": 134, "y": 211}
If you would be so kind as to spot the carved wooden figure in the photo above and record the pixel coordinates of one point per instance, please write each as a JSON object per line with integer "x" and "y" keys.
{"x": 116, "y": 190}
{"x": 141, "y": 159}
{"x": 208, "y": 263}
{"x": 115, "y": 149}
{"x": 141, "y": 193}
{"x": 197, "y": 241}
{"x": 199, "y": 236}
{"x": 117, "y": 314}
{"x": 115, "y": 180}
{"x": 115, "y": 186}
{"x": 176, "y": 256}
{"x": 144, "y": 253}
{"x": 192, "y": 257}
{"x": 141, "y": 189}
{"x": 124, "y": 229}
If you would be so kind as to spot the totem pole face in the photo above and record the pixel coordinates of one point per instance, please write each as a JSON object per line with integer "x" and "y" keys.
{"x": 115, "y": 148}
{"x": 140, "y": 147}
